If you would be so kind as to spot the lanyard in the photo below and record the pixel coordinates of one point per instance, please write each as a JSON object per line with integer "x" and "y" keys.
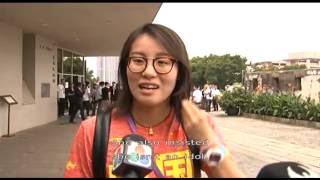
{"x": 133, "y": 129}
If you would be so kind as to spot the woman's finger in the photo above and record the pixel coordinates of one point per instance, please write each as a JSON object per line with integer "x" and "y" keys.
{"x": 192, "y": 115}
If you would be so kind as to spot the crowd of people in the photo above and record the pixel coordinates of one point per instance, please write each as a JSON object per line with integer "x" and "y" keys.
{"x": 207, "y": 97}
{"x": 84, "y": 98}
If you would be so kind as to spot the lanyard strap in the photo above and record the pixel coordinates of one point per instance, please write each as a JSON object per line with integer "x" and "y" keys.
{"x": 133, "y": 129}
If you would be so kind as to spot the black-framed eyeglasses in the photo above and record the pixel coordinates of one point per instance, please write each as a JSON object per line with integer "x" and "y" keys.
{"x": 162, "y": 65}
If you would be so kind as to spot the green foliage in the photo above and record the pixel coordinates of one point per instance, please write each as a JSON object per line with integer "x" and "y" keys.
{"x": 236, "y": 98}
{"x": 90, "y": 77}
{"x": 264, "y": 69}
{"x": 279, "y": 105}
{"x": 221, "y": 70}
{"x": 74, "y": 66}
{"x": 294, "y": 67}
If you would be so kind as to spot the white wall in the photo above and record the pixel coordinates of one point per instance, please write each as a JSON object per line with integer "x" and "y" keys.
{"x": 44, "y": 110}
{"x": 10, "y": 72}
{"x": 310, "y": 87}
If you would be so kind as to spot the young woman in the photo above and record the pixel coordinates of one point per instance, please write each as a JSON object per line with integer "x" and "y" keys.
{"x": 155, "y": 76}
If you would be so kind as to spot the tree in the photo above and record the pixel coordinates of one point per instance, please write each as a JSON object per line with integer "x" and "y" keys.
{"x": 90, "y": 77}
{"x": 221, "y": 70}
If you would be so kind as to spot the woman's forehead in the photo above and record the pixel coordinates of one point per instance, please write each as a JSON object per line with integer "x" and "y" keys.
{"x": 147, "y": 45}
{"x": 142, "y": 53}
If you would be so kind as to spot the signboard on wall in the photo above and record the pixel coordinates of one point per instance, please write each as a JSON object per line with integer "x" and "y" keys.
{"x": 45, "y": 90}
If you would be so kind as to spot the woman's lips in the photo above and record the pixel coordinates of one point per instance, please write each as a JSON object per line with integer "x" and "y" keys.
{"x": 148, "y": 88}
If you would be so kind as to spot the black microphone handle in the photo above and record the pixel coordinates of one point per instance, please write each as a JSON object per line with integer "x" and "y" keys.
{"x": 131, "y": 173}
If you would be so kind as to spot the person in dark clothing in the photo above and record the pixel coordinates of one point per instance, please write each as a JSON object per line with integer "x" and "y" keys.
{"x": 94, "y": 101}
{"x": 113, "y": 91}
{"x": 116, "y": 92}
{"x": 78, "y": 102}
{"x": 106, "y": 91}
{"x": 70, "y": 95}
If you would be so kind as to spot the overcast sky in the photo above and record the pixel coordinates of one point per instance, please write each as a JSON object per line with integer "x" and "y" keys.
{"x": 257, "y": 31}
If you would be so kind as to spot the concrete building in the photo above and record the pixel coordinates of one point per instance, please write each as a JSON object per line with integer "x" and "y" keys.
{"x": 107, "y": 68}
{"x": 270, "y": 64}
{"x": 38, "y": 40}
{"x": 309, "y": 59}
{"x": 304, "y": 82}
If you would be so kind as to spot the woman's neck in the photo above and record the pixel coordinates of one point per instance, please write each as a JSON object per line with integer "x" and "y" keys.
{"x": 150, "y": 116}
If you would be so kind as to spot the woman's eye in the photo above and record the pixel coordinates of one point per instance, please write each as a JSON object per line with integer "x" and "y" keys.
{"x": 163, "y": 62}
{"x": 138, "y": 60}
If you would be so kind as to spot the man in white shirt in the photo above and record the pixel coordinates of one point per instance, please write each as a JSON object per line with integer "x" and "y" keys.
{"x": 61, "y": 98}
{"x": 86, "y": 98}
{"x": 215, "y": 93}
{"x": 197, "y": 96}
{"x": 99, "y": 94}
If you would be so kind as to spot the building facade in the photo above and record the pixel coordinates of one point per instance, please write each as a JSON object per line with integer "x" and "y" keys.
{"x": 41, "y": 43}
{"x": 107, "y": 68}
{"x": 305, "y": 82}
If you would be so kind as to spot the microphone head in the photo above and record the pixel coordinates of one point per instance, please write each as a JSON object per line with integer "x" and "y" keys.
{"x": 133, "y": 154}
{"x": 286, "y": 170}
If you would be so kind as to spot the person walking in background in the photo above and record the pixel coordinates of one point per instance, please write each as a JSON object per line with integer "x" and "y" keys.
{"x": 117, "y": 92}
{"x": 215, "y": 94}
{"x": 86, "y": 98}
{"x": 94, "y": 93}
{"x": 106, "y": 91}
{"x": 78, "y": 102}
{"x": 208, "y": 96}
{"x": 99, "y": 94}
{"x": 70, "y": 96}
{"x": 197, "y": 96}
{"x": 113, "y": 92}
{"x": 61, "y": 98}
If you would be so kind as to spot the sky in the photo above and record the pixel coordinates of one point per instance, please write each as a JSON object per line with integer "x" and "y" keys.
{"x": 257, "y": 31}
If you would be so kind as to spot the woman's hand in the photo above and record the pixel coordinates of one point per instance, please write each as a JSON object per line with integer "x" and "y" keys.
{"x": 197, "y": 127}
{"x": 195, "y": 122}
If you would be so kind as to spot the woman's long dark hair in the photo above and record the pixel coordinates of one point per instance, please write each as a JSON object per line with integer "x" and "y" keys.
{"x": 175, "y": 47}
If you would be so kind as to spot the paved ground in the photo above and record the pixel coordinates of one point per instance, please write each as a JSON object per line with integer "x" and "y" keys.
{"x": 38, "y": 152}
{"x": 43, "y": 151}
{"x": 255, "y": 143}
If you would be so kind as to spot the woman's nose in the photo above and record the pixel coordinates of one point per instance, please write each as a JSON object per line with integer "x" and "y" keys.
{"x": 149, "y": 71}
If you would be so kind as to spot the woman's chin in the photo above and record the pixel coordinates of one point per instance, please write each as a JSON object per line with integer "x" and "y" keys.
{"x": 149, "y": 101}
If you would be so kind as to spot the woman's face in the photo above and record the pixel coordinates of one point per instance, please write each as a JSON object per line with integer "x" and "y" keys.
{"x": 148, "y": 87}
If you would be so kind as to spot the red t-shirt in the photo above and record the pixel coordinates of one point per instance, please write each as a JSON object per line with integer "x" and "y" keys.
{"x": 172, "y": 159}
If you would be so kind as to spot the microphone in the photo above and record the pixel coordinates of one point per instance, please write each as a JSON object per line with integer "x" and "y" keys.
{"x": 286, "y": 170}
{"x": 133, "y": 157}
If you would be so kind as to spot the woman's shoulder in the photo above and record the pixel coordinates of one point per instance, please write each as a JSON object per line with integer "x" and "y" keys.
{"x": 90, "y": 122}
{"x": 88, "y": 125}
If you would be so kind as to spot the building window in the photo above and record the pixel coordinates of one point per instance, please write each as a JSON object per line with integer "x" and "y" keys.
{"x": 70, "y": 67}
{"x": 67, "y": 62}
{"x": 77, "y": 64}
{"x": 59, "y": 61}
